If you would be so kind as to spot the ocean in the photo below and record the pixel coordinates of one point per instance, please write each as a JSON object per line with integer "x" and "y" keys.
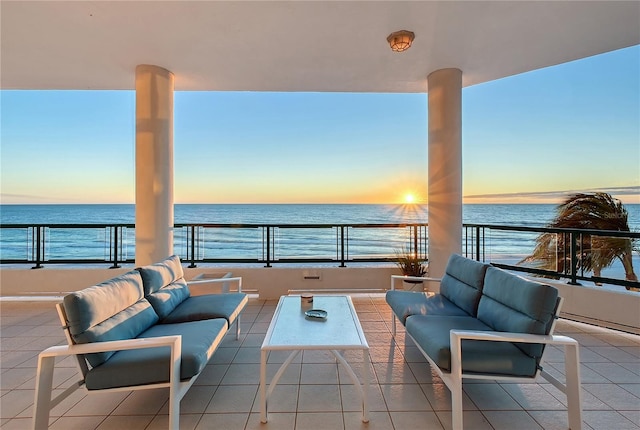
{"x": 303, "y": 243}
{"x": 510, "y": 214}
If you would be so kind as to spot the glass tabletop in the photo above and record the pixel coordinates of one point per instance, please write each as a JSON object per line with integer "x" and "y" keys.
{"x": 290, "y": 327}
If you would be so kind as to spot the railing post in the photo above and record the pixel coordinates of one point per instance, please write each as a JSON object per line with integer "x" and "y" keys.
{"x": 115, "y": 248}
{"x": 342, "y": 247}
{"x": 268, "y": 246}
{"x": 478, "y": 243}
{"x": 39, "y": 245}
{"x": 465, "y": 235}
{"x": 425, "y": 241}
{"x": 574, "y": 259}
{"x": 193, "y": 247}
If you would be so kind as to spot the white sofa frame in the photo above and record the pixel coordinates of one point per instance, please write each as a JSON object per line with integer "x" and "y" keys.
{"x": 177, "y": 387}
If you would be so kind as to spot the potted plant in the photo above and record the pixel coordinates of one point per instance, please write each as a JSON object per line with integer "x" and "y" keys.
{"x": 411, "y": 264}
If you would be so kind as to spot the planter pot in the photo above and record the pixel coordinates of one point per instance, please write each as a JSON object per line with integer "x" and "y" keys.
{"x": 416, "y": 286}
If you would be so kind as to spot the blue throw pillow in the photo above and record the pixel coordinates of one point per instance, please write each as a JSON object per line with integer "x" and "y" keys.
{"x": 165, "y": 300}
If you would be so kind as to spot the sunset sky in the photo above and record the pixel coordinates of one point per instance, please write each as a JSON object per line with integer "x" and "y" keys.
{"x": 527, "y": 138}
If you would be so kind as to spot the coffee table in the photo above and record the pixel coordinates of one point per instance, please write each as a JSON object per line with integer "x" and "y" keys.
{"x": 291, "y": 329}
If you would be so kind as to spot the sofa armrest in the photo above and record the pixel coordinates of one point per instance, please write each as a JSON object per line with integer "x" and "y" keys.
{"x": 237, "y": 279}
{"x": 457, "y": 336}
{"x": 394, "y": 278}
{"x": 499, "y": 336}
{"x": 46, "y": 363}
{"x": 571, "y": 387}
{"x": 174, "y": 342}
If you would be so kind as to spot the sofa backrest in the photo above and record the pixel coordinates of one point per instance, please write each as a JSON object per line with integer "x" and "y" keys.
{"x": 463, "y": 282}
{"x": 514, "y": 304}
{"x": 112, "y": 310}
{"x": 164, "y": 285}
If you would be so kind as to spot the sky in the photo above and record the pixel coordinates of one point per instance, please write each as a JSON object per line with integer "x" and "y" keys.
{"x": 530, "y": 138}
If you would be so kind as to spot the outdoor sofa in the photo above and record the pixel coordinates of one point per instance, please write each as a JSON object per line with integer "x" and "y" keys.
{"x": 139, "y": 330}
{"x": 486, "y": 323}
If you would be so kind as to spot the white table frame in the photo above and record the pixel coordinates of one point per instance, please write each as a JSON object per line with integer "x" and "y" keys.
{"x": 348, "y": 322}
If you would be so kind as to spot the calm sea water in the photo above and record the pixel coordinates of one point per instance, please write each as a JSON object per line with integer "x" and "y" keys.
{"x": 521, "y": 214}
{"x": 507, "y": 246}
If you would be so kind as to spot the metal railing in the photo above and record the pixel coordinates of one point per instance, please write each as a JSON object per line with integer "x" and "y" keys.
{"x": 214, "y": 243}
{"x": 66, "y": 244}
{"x": 503, "y": 246}
{"x": 299, "y": 243}
{"x": 484, "y": 242}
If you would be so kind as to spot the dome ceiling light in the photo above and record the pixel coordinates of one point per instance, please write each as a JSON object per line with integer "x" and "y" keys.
{"x": 400, "y": 40}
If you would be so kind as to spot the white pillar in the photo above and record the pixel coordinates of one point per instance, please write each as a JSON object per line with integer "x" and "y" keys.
{"x": 445, "y": 167}
{"x": 154, "y": 164}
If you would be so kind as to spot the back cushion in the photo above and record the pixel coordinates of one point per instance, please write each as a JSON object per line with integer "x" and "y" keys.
{"x": 91, "y": 306}
{"x": 127, "y": 324}
{"x": 513, "y": 304}
{"x": 463, "y": 282}
{"x": 164, "y": 285}
{"x": 112, "y": 310}
{"x": 158, "y": 275}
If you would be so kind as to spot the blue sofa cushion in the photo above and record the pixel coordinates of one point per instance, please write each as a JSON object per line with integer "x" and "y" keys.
{"x": 513, "y": 304}
{"x": 158, "y": 275}
{"x": 111, "y": 310}
{"x": 166, "y": 299}
{"x": 463, "y": 282}
{"x": 405, "y": 303}
{"x": 431, "y": 333}
{"x": 227, "y": 306}
{"x": 93, "y": 305}
{"x": 200, "y": 339}
{"x": 164, "y": 285}
{"x": 124, "y": 325}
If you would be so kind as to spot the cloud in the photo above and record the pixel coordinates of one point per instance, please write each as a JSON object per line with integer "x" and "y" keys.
{"x": 560, "y": 194}
{"x": 8, "y": 198}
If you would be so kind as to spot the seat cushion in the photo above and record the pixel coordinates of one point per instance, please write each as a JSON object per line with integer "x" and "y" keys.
{"x": 151, "y": 365}
{"x": 432, "y": 334}
{"x": 195, "y": 308}
{"x": 514, "y": 304}
{"x": 405, "y": 303}
{"x": 463, "y": 282}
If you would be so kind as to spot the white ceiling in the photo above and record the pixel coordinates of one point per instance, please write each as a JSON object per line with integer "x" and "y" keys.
{"x": 299, "y": 45}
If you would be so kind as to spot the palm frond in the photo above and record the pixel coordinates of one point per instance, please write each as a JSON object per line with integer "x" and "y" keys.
{"x": 597, "y": 211}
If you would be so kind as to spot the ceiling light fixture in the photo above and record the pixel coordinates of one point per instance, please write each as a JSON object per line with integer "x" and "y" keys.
{"x": 400, "y": 40}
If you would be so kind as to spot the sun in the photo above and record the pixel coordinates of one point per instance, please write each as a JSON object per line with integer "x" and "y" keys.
{"x": 409, "y": 198}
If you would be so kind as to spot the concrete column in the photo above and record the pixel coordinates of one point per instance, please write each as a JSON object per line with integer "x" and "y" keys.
{"x": 445, "y": 167}
{"x": 154, "y": 164}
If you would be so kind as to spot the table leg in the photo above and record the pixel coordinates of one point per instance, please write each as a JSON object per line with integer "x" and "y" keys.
{"x": 263, "y": 385}
{"x": 264, "y": 393}
{"x": 366, "y": 359}
{"x": 356, "y": 382}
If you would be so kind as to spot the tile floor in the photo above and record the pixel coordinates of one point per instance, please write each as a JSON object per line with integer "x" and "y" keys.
{"x": 314, "y": 393}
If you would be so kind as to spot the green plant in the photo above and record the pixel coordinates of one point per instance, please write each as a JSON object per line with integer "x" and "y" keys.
{"x": 410, "y": 263}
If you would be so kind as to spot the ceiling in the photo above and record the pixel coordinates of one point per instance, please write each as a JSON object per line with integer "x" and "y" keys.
{"x": 336, "y": 46}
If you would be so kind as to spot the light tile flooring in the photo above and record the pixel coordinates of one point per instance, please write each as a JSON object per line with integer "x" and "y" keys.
{"x": 314, "y": 393}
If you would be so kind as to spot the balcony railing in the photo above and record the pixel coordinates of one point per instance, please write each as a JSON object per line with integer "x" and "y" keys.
{"x": 269, "y": 244}
{"x": 214, "y": 243}
{"x": 487, "y": 242}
